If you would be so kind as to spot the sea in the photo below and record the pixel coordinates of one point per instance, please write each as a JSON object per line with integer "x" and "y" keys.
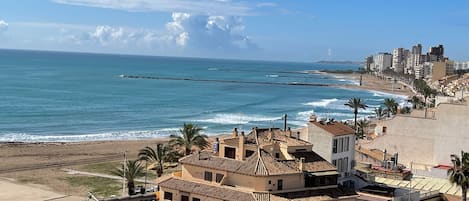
{"x": 67, "y": 97}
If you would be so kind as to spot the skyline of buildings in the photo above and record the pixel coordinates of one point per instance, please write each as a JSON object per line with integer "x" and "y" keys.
{"x": 432, "y": 65}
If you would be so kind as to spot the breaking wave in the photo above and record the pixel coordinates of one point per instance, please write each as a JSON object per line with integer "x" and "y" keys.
{"x": 322, "y": 103}
{"x": 235, "y": 119}
{"x": 118, "y": 135}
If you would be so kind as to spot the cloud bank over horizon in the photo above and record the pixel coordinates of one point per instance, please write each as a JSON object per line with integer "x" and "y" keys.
{"x": 3, "y": 26}
{"x": 185, "y": 33}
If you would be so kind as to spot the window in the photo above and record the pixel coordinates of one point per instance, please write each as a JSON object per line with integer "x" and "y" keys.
{"x": 184, "y": 198}
{"x": 249, "y": 153}
{"x": 280, "y": 184}
{"x": 339, "y": 165}
{"x": 270, "y": 182}
{"x": 195, "y": 199}
{"x": 334, "y": 146}
{"x": 230, "y": 152}
{"x": 218, "y": 177}
{"x": 340, "y": 145}
{"x": 345, "y": 164}
{"x": 168, "y": 196}
{"x": 277, "y": 155}
{"x": 346, "y": 144}
{"x": 208, "y": 176}
{"x": 334, "y": 162}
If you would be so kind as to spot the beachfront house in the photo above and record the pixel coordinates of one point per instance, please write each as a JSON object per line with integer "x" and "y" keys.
{"x": 267, "y": 164}
{"x": 334, "y": 141}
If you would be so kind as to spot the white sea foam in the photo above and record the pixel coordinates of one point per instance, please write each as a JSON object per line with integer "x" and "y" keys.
{"x": 305, "y": 115}
{"x": 235, "y": 119}
{"x": 322, "y": 103}
{"x": 271, "y": 75}
{"x": 118, "y": 135}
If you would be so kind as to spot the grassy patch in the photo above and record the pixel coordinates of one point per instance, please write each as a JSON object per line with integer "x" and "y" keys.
{"x": 101, "y": 187}
{"x": 26, "y": 179}
{"x": 104, "y": 168}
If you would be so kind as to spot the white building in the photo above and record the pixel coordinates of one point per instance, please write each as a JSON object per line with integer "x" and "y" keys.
{"x": 398, "y": 60}
{"x": 334, "y": 141}
{"x": 382, "y": 61}
{"x": 424, "y": 70}
{"x": 414, "y": 59}
{"x": 461, "y": 65}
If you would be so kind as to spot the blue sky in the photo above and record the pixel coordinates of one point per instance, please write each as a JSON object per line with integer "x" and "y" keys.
{"x": 301, "y": 30}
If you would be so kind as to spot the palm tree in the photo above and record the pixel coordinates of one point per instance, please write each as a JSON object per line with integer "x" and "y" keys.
{"x": 190, "y": 136}
{"x": 427, "y": 92}
{"x": 391, "y": 106}
{"x": 459, "y": 173}
{"x": 362, "y": 126}
{"x": 158, "y": 156}
{"x": 355, "y": 104}
{"x": 131, "y": 171}
{"x": 379, "y": 112}
{"x": 415, "y": 101}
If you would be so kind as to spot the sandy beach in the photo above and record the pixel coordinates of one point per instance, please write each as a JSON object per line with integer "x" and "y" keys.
{"x": 371, "y": 82}
{"x": 40, "y": 164}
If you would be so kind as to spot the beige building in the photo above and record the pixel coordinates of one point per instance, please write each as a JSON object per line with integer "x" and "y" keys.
{"x": 266, "y": 164}
{"x": 426, "y": 142}
{"x": 334, "y": 141}
{"x": 442, "y": 69}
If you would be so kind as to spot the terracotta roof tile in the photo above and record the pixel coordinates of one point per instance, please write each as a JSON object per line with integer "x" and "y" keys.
{"x": 314, "y": 162}
{"x": 373, "y": 153}
{"x": 335, "y": 128}
{"x": 217, "y": 192}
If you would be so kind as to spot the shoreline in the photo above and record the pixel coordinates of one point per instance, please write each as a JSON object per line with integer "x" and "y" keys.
{"x": 41, "y": 162}
{"x": 372, "y": 83}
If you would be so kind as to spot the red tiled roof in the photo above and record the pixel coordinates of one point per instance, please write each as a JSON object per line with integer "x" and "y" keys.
{"x": 217, "y": 192}
{"x": 335, "y": 128}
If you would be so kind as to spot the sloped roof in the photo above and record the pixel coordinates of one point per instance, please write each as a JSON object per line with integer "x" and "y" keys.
{"x": 335, "y": 128}
{"x": 217, "y": 192}
{"x": 373, "y": 153}
{"x": 253, "y": 165}
{"x": 278, "y": 135}
{"x": 314, "y": 162}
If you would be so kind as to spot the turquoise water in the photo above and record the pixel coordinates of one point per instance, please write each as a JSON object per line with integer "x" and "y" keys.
{"x": 52, "y": 96}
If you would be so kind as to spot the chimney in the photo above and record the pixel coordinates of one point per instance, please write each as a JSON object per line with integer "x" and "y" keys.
{"x": 300, "y": 164}
{"x": 298, "y": 135}
{"x": 289, "y": 132}
{"x": 241, "y": 146}
{"x": 284, "y": 122}
{"x": 235, "y": 132}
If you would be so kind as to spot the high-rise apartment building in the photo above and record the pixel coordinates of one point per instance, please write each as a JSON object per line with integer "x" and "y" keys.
{"x": 382, "y": 61}
{"x": 398, "y": 60}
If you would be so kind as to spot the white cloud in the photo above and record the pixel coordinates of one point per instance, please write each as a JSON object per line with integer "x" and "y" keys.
{"x": 204, "y": 7}
{"x": 3, "y": 26}
{"x": 266, "y": 4}
{"x": 186, "y": 32}
{"x": 208, "y": 32}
